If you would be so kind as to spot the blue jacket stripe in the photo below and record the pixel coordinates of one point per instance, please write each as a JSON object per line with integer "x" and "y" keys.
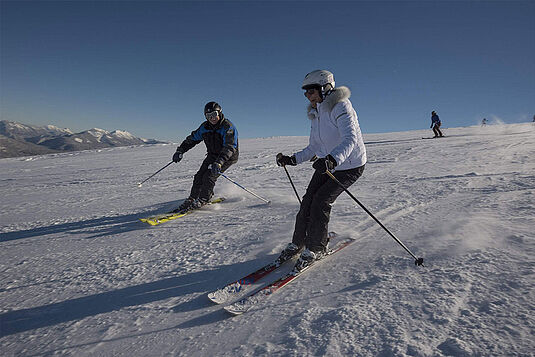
{"x": 197, "y": 136}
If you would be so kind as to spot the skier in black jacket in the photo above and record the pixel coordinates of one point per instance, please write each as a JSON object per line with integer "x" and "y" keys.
{"x": 435, "y": 124}
{"x": 221, "y": 139}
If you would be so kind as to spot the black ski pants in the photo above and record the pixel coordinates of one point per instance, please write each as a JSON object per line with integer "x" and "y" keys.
{"x": 311, "y": 224}
{"x": 204, "y": 181}
{"x": 436, "y": 130}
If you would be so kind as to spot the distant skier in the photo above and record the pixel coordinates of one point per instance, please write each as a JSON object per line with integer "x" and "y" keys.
{"x": 484, "y": 122}
{"x": 221, "y": 139}
{"x": 435, "y": 124}
{"x": 336, "y": 139}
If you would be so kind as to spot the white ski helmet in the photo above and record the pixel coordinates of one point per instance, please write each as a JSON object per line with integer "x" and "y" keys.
{"x": 318, "y": 78}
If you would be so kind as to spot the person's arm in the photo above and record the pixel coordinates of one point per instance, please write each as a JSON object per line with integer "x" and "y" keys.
{"x": 230, "y": 143}
{"x": 191, "y": 140}
{"x": 346, "y": 120}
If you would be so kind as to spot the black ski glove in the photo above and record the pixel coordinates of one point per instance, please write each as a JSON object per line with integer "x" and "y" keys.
{"x": 325, "y": 163}
{"x": 177, "y": 156}
{"x": 283, "y": 160}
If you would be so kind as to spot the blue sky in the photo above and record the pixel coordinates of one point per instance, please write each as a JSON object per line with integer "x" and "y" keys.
{"x": 149, "y": 67}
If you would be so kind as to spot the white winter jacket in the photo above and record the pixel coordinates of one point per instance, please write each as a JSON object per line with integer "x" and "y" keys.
{"x": 335, "y": 130}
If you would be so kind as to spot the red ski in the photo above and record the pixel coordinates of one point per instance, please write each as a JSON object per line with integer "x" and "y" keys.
{"x": 232, "y": 290}
{"x": 249, "y": 301}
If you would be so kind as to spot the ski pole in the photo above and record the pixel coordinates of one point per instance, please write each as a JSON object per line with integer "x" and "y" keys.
{"x": 289, "y": 178}
{"x": 240, "y": 186}
{"x": 417, "y": 261}
{"x": 142, "y": 182}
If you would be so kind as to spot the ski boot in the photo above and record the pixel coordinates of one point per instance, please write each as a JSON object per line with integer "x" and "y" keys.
{"x": 307, "y": 258}
{"x": 198, "y": 203}
{"x": 288, "y": 252}
{"x": 185, "y": 206}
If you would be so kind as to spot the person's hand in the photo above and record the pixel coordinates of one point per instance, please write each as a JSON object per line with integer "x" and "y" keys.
{"x": 431, "y": 126}
{"x": 177, "y": 156}
{"x": 215, "y": 168}
{"x": 283, "y": 160}
{"x": 325, "y": 163}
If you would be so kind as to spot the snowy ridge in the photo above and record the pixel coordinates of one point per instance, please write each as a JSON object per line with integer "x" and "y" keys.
{"x": 122, "y": 134}
{"x": 97, "y": 133}
{"x": 81, "y": 276}
{"x": 15, "y": 130}
{"x": 22, "y": 139}
{"x": 54, "y": 128}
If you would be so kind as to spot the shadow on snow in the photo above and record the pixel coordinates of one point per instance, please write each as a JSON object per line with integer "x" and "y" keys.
{"x": 100, "y": 227}
{"x": 79, "y": 308}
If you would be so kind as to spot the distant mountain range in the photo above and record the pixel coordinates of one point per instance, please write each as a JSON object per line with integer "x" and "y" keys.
{"x": 18, "y": 139}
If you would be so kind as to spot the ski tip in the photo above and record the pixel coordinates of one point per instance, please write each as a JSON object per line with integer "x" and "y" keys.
{"x": 215, "y": 298}
{"x": 214, "y": 301}
{"x": 233, "y": 311}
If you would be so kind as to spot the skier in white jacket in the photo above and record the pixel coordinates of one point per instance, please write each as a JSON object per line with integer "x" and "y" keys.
{"x": 336, "y": 139}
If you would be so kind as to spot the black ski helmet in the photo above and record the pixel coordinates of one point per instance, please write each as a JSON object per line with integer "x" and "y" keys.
{"x": 212, "y": 106}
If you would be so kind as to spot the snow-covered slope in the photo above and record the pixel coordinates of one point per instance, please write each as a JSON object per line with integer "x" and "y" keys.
{"x": 81, "y": 276}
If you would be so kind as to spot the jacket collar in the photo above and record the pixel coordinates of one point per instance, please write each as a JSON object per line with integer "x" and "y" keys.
{"x": 209, "y": 125}
{"x": 338, "y": 95}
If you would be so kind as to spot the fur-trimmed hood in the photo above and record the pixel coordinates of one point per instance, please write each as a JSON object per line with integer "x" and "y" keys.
{"x": 336, "y": 96}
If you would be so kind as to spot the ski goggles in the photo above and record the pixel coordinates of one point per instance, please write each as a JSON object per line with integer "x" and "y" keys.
{"x": 211, "y": 115}
{"x": 310, "y": 91}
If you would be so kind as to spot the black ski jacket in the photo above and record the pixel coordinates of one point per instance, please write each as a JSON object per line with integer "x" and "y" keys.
{"x": 221, "y": 140}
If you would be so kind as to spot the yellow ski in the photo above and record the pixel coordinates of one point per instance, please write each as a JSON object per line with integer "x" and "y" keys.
{"x": 162, "y": 218}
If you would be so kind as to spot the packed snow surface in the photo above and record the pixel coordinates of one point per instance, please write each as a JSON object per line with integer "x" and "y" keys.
{"x": 80, "y": 275}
